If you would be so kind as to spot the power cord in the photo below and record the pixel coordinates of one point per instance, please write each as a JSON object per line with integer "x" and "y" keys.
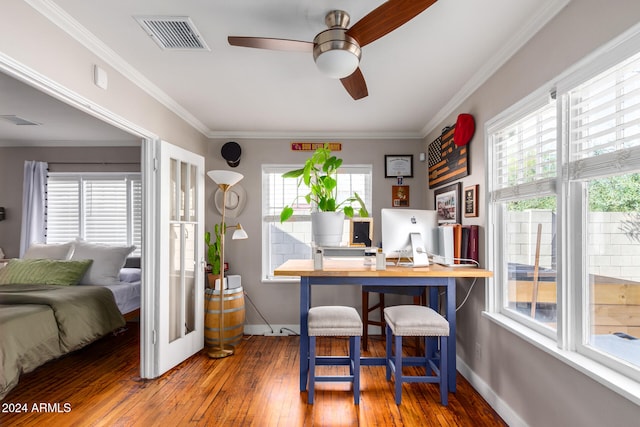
{"x": 475, "y": 279}
{"x": 259, "y": 313}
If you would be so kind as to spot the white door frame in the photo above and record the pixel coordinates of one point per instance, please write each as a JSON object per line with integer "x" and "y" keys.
{"x": 149, "y": 166}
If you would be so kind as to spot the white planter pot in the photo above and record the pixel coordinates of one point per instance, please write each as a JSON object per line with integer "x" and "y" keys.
{"x": 327, "y": 228}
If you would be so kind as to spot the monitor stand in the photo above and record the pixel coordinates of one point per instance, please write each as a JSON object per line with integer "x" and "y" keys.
{"x": 420, "y": 256}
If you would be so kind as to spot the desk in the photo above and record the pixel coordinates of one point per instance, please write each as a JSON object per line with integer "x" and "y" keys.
{"x": 352, "y": 272}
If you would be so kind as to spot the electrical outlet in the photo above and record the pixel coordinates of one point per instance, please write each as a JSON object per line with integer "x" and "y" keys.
{"x": 478, "y": 351}
{"x": 276, "y": 334}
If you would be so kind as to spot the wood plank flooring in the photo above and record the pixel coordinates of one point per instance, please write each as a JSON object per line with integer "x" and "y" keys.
{"x": 258, "y": 386}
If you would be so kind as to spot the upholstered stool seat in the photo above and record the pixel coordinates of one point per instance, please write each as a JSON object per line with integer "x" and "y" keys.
{"x": 416, "y": 321}
{"x": 335, "y": 321}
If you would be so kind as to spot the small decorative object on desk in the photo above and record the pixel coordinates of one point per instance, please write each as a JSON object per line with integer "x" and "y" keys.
{"x": 381, "y": 261}
{"x": 317, "y": 259}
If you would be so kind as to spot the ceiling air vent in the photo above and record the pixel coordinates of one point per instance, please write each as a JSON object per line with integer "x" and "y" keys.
{"x": 18, "y": 121}
{"x": 173, "y": 32}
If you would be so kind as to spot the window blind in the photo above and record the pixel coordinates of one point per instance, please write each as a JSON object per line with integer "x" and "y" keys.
{"x": 279, "y": 192}
{"x": 525, "y": 151}
{"x": 99, "y": 208}
{"x": 604, "y": 112}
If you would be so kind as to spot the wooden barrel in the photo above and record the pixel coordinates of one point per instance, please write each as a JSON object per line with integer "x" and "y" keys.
{"x": 233, "y": 312}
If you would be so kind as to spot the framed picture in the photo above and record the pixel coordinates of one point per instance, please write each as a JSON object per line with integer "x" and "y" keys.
{"x": 447, "y": 203}
{"x": 361, "y": 232}
{"x": 398, "y": 165}
{"x": 400, "y": 196}
{"x": 471, "y": 201}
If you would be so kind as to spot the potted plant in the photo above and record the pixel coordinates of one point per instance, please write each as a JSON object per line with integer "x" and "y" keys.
{"x": 213, "y": 255}
{"x": 319, "y": 174}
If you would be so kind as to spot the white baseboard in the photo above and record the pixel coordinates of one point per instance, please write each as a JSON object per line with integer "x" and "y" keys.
{"x": 498, "y": 405}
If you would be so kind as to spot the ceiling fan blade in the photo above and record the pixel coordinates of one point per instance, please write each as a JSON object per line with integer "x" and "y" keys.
{"x": 355, "y": 85}
{"x": 386, "y": 18}
{"x": 271, "y": 44}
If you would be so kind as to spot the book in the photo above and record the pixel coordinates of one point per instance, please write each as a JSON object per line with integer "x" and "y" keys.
{"x": 457, "y": 243}
{"x": 473, "y": 243}
{"x": 464, "y": 250}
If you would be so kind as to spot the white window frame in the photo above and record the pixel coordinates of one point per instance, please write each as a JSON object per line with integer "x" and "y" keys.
{"x": 567, "y": 344}
{"x": 273, "y": 217}
{"x": 538, "y": 188}
{"x": 82, "y": 177}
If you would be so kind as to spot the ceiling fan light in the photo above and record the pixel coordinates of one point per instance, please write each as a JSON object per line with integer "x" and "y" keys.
{"x": 337, "y": 63}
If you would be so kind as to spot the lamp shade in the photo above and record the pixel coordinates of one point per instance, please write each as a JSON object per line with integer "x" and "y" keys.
{"x": 225, "y": 177}
{"x": 337, "y": 55}
{"x": 239, "y": 233}
{"x": 337, "y": 63}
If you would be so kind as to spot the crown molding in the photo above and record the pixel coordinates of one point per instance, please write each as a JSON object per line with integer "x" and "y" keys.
{"x": 59, "y": 17}
{"x": 324, "y": 135}
{"x": 492, "y": 65}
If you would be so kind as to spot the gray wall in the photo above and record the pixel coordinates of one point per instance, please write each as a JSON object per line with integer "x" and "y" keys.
{"x": 541, "y": 390}
{"x": 62, "y": 159}
{"x": 279, "y": 302}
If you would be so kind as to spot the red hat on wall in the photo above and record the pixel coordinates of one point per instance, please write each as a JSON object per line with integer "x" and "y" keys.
{"x": 465, "y": 127}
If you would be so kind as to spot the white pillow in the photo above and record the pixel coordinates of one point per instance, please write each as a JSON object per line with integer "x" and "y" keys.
{"x": 130, "y": 275}
{"x": 61, "y": 251}
{"x": 107, "y": 262}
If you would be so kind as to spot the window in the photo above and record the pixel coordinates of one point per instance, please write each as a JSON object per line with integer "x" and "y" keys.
{"x": 292, "y": 239}
{"x": 564, "y": 210}
{"x": 603, "y": 133}
{"x": 100, "y": 208}
{"x": 523, "y": 171}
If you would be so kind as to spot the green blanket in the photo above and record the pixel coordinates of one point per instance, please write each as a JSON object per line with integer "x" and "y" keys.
{"x": 79, "y": 314}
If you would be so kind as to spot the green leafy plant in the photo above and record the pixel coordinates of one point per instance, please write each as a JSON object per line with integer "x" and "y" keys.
{"x": 319, "y": 175}
{"x": 213, "y": 249}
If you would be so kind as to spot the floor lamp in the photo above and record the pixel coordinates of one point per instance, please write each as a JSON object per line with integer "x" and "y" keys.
{"x": 225, "y": 179}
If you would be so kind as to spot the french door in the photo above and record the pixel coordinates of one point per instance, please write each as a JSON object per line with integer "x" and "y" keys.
{"x": 179, "y": 316}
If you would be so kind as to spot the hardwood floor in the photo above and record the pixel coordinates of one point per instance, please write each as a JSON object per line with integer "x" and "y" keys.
{"x": 100, "y": 386}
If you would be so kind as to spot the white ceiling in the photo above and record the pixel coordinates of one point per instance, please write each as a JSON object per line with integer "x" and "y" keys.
{"x": 57, "y": 123}
{"x": 416, "y": 76}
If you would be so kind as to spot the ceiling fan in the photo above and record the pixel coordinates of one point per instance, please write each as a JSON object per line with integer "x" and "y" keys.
{"x": 337, "y": 50}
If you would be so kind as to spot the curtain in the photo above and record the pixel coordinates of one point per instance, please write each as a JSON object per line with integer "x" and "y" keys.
{"x": 34, "y": 191}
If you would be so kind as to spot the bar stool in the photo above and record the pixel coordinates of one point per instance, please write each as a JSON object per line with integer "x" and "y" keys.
{"x": 416, "y": 321}
{"x": 335, "y": 321}
{"x": 419, "y": 298}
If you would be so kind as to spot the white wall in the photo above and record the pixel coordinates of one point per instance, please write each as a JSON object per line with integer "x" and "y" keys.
{"x": 537, "y": 389}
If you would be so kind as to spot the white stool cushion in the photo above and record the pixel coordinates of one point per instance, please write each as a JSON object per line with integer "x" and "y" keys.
{"x": 334, "y": 321}
{"x": 416, "y": 321}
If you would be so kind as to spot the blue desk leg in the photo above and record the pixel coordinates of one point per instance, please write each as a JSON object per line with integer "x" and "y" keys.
{"x": 451, "y": 317}
{"x": 450, "y": 298}
{"x": 305, "y": 303}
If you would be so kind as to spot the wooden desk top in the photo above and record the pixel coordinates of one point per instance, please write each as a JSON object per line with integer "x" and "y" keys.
{"x": 356, "y": 268}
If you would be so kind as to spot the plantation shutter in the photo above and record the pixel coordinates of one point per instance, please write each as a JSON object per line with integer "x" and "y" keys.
{"x": 98, "y": 208}
{"x": 524, "y": 154}
{"x": 604, "y": 121}
{"x": 279, "y": 192}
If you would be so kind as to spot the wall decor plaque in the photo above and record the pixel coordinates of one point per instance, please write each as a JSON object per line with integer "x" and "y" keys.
{"x": 447, "y": 161}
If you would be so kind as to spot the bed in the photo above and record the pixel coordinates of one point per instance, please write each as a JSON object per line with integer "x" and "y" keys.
{"x": 52, "y": 303}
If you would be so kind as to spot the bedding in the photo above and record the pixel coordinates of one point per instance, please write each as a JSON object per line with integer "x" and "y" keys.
{"x": 42, "y": 322}
{"x": 107, "y": 261}
{"x": 43, "y": 272}
{"x": 127, "y": 295}
{"x": 49, "y": 251}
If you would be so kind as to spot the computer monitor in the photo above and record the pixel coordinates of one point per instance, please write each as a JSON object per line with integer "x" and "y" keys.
{"x": 398, "y": 226}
